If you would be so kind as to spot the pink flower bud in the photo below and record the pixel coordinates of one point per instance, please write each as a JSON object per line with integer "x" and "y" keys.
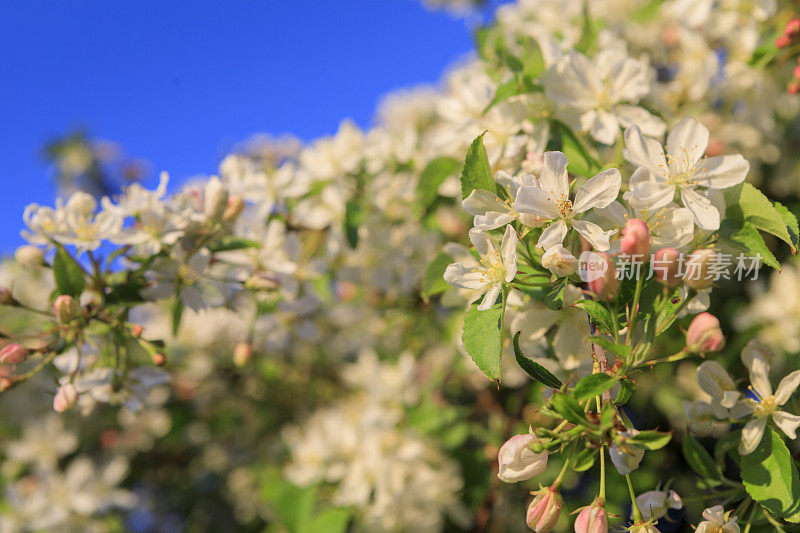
{"x": 518, "y": 461}
{"x": 793, "y": 87}
{"x": 65, "y": 308}
{"x": 666, "y": 264}
{"x": 13, "y": 354}
{"x": 792, "y": 28}
{"x": 592, "y": 519}
{"x": 159, "y": 359}
{"x": 697, "y": 268}
{"x": 704, "y": 334}
{"x": 606, "y": 286}
{"x": 544, "y": 510}
{"x": 5, "y": 296}
{"x": 65, "y": 398}
{"x": 136, "y": 330}
{"x": 783, "y": 41}
{"x": 242, "y": 353}
{"x": 635, "y": 239}
{"x": 234, "y": 209}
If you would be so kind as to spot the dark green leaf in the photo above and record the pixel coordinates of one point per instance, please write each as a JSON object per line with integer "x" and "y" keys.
{"x": 435, "y": 172}
{"x": 476, "y": 173}
{"x": 177, "y": 313}
{"x": 626, "y": 389}
{"x": 232, "y": 242}
{"x": 353, "y": 217}
{"x": 698, "y": 458}
{"x": 593, "y": 385}
{"x": 534, "y": 369}
{"x": 770, "y": 477}
{"x": 555, "y": 298}
{"x": 68, "y": 274}
{"x": 433, "y": 283}
{"x": 601, "y": 317}
{"x": 483, "y": 338}
{"x": 791, "y": 223}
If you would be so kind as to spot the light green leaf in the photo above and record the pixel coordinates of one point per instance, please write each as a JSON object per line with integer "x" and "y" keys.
{"x": 626, "y": 389}
{"x": 505, "y": 91}
{"x": 601, "y": 317}
{"x": 791, "y": 223}
{"x": 651, "y": 440}
{"x": 433, "y": 283}
{"x": 432, "y": 176}
{"x": 770, "y": 477}
{"x": 476, "y": 173}
{"x": 748, "y": 204}
{"x": 554, "y": 299}
{"x": 584, "y": 460}
{"x": 568, "y": 407}
{"x": 232, "y": 242}
{"x": 68, "y": 274}
{"x": 668, "y": 310}
{"x": 745, "y": 237}
{"x": 354, "y": 215}
{"x": 483, "y": 338}
{"x": 534, "y": 369}
{"x": 177, "y": 313}
{"x": 593, "y": 385}
{"x": 333, "y": 520}
{"x": 581, "y": 162}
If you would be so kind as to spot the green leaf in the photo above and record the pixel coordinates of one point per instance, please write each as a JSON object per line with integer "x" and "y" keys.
{"x": 68, "y": 274}
{"x": 745, "y": 237}
{"x": 483, "y": 338}
{"x": 589, "y": 31}
{"x": 581, "y": 162}
{"x": 626, "y": 389}
{"x": 432, "y": 176}
{"x": 334, "y": 520}
{"x": 354, "y": 214}
{"x": 433, "y": 283}
{"x": 698, "y": 458}
{"x": 770, "y": 477}
{"x": 232, "y": 242}
{"x": 651, "y": 440}
{"x": 601, "y": 317}
{"x": 568, "y": 407}
{"x": 476, "y": 173}
{"x": 748, "y": 204}
{"x": 534, "y": 369}
{"x": 593, "y": 385}
{"x": 584, "y": 460}
{"x": 668, "y": 310}
{"x": 791, "y": 223}
{"x": 554, "y": 299}
{"x": 177, "y": 313}
{"x": 610, "y": 346}
{"x": 505, "y": 91}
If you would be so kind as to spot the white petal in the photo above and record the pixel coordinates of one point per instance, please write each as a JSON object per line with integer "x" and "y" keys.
{"x": 491, "y": 298}
{"x": 604, "y": 127}
{"x": 714, "y": 379}
{"x": 752, "y": 433}
{"x": 686, "y": 143}
{"x": 648, "y": 191}
{"x": 787, "y": 422}
{"x": 482, "y": 242}
{"x": 481, "y": 201}
{"x": 644, "y": 152}
{"x": 633, "y": 115}
{"x": 553, "y": 177}
{"x": 705, "y": 214}
{"x": 493, "y": 220}
{"x": 754, "y": 357}
{"x": 508, "y": 251}
{"x": 723, "y": 171}
{"x": 599, "y": 191}
{"x": 536, "y": 202}
{"x": 593, "y": 233}
{"x": 787, "y": 387}
{"x": 554, "y": 234}
{"x": 463, "y": 276}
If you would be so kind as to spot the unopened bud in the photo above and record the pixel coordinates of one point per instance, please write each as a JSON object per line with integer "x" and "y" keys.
{"x": 592, "y": 519}
{"x": 792, "y": 28}
{"x": 783, "y": 41}
{"x": 635, "y": 239}
{"x": 234, "y": 209}
{"x": 159, "y": 359}
{"x": 704, "y": 334}
{"x": 13, "y": 354}
{"x": 29, "y": 255}
{"x": 697, "y": 273}
{"x": 5, "y": 296}
{"x": 560, "y": 261}
{"x": 136, "y": 331}
{"x": 666, "y": 266}
{"x": 242, "y": 353}
{"x": 215, "y": 199}
{"x": 65, "y": 398}
{"x": 517, "y": 461}
{"x": 793, "y": 87}
{"x": 606, "y": 286}
{"x": 544, "y": 510}
{"x": 65, "y": 308}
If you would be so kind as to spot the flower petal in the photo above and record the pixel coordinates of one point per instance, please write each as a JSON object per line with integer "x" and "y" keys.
{"x": 463, "y": 276}
{"x": 493, "y": 220}
{"x": 754, "y": 357}
{"x": 481, "y": 201}
{"x": 481, "y": 241}
{"x": 604, "y": 127}
{"x": 648, "y": 124}
{"x": 553, "y": 235}
{"x": 752, "y": 433}
{"x": 644, "y": 152}
{"x": 593, "y": 233}
{"x": 508, "y": 251}
{"x": 648, "y": 191}
{"x": 787, "y": 422}
{"x": 491, "y": 298}
{"x": 599, "y": 191}
{"x": 787, "y": 387}
{"x": 553, "y": 177}
{"x": 723, "y": 171}
{"x": 686, "y": 144}
{"x": 536, "y": 202}
{"x": 705, "y": 214}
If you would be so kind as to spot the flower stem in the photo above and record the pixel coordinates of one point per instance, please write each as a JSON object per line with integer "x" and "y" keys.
{"x": 634, "y": 311}
{"x": 637, "y": 514}
{"x": 603, "y": 472}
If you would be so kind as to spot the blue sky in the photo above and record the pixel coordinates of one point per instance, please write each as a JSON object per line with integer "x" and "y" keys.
{"x": 178, "y": 82}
